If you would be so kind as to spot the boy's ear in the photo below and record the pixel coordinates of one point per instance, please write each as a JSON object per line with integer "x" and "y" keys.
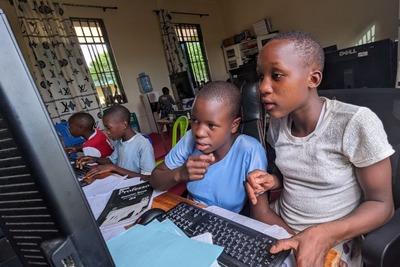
{"x": 315, "y": 78}
{"x": 235, "y": 125}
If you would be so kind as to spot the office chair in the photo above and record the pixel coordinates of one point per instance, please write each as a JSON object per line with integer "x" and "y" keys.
{"x": 381, "y": 247}
{"x": 181, "y": 124}
{"x": 252, "y": 122}
{"x": 65, "y": 135}
{"x": 252, "y": 112}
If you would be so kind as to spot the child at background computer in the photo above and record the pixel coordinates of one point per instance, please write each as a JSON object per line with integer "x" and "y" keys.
{"x": 333, "y": 156}
{"x": 133, "y": 154}
{"x": 165, "y": 103}
{"x": 213, "y": 158}
{"x": 96, "y": 143}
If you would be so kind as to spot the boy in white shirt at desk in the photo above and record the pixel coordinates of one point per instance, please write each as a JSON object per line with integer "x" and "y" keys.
{"x": 133, "y": 154}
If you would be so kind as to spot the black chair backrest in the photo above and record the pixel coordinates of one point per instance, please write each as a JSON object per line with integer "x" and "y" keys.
{"x": 253, "y": 114}
{"x": 385, "y": 102}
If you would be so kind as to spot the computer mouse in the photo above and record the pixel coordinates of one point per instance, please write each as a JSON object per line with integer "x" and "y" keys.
{"x": 149, "y": 215}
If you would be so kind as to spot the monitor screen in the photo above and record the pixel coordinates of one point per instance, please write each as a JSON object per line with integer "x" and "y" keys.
{"x": 370, "y": 65}
{"x": 44, "y": 214}
{"x": 182, "y": 84}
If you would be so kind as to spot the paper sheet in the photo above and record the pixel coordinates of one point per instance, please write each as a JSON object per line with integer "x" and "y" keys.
{"x": 145, "y": 246}
{"x": 104, "y": 186}
{"x": 98, "y": 194}
{"x": 206, "y": 238}
{"x": 166, "y": 226}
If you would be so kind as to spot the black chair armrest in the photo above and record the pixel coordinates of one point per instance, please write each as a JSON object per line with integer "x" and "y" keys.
{"x": 382, "y": 246}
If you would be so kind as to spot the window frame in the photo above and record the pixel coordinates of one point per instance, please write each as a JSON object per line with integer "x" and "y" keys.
{"x": 186, "y": 51}
{"x": 112, "y": 63}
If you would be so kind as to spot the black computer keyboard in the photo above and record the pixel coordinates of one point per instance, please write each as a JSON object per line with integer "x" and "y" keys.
{"x": 243, "y": 246}
{"x": 80, "y": 173}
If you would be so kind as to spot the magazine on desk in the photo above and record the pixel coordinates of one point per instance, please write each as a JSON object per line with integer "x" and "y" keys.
{"x": 125, "y": 204}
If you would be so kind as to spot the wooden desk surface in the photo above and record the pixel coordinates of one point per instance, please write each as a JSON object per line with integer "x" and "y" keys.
{"x": 166, "y": 201}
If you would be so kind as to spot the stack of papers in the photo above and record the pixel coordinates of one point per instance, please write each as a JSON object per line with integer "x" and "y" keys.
{"x": 112, "y": 213}
{"x": 160, "y": 244}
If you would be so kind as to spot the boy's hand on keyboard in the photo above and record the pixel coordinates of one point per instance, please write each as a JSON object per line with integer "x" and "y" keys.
{"x": 310, "y": 246}
{"x": 258, "y": 182}
{"x": 196, "y": 166}
{"x": 82, "y": 161}
{"x": 96, "y": 171}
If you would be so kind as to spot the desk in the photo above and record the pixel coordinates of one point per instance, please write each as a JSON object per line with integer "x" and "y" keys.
{"x": 166, "y": 201}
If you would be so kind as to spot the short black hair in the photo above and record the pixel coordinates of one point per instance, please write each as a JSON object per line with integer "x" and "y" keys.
{"x": 118, "y": 111}
{"x": 83, "y": 119}
{"x": 307, "y": 47}
{"x": 223, "y": 92}
{"x": 165, "y": 90}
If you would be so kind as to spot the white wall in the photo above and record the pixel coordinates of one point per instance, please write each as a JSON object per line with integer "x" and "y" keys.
{"x": 134, "y": 32}
{"x": 135, "y": 38}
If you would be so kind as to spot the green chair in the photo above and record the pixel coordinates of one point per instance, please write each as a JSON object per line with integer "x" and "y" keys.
{"x": 181, "y": 124}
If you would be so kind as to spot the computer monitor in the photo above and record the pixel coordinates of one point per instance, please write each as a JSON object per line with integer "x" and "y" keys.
{"x": 43, "y": 212}
{"x": 246, "y": 73}
{"x": 371, "y": 65}
{"x": 329, "y": 49}
{"x": 182, "y": 84}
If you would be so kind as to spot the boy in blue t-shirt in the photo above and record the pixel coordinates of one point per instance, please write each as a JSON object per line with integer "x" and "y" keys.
{"x": 213, "y": 158}
{"x": 133, "y": 154}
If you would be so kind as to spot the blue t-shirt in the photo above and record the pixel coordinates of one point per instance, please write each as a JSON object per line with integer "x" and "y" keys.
{"x": 135, "y": 154}
{"x": 222, "y": 184}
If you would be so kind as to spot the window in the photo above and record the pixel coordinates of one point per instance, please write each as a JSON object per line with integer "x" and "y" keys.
{"x": 96, "y": 49}
{"x": 368, "y": 36}
{"x": 191, "y": 41}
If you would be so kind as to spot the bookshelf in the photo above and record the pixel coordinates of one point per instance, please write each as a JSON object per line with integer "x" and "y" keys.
{"x": 239, "y": 54}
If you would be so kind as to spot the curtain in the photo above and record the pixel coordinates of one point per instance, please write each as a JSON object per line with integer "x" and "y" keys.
{"x": 173, "y": 52}
{"x": 57, "y": 62}
{"x": 176, "y": 60}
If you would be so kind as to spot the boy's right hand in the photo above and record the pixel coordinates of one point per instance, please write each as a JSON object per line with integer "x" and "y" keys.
{"x": 82, "y": 161}
{"x": 258, "y": 182}
{"x": 196, "y": 166}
